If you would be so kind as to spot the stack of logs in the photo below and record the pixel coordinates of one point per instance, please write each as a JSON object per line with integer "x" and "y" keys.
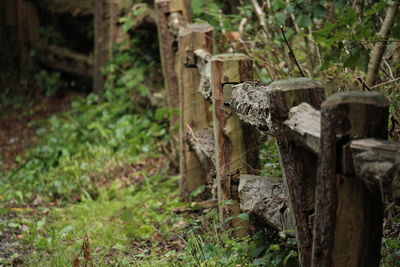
{"x": 337, "y": 164}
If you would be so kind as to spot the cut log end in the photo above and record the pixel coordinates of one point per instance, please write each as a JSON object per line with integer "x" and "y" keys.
{"x": 250, "y": 101}
{"x": 264, "y": 198}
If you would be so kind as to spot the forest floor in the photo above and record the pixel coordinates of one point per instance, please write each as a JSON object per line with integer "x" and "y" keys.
{"x": 18, "y": 125}
{"x": 125, "y": 212}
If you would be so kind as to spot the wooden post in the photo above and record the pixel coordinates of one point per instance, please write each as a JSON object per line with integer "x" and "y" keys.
{"x": 23, "y": 36}
{"x": 168, "y": 46}
{"x": 298, "y": 164}
{"x": 236, "y": 145}
{"x": 102, "y": 41}
{"x": 194, "y": 109}
{"x": 348, "y": 219}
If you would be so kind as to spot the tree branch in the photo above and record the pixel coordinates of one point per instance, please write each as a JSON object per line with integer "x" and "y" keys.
{"x": 378, "y": 50}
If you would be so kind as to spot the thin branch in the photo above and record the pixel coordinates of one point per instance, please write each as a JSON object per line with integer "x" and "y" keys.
{"x": 379, "y": 48}
{"x": 385, "y": 83}
{"x": 363, "y": 84}
{"x": 261, "y": 17}
{"x": 291, "y": 52}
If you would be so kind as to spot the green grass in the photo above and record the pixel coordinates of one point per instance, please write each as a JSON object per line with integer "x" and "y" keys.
{"x": 123, "y": 225}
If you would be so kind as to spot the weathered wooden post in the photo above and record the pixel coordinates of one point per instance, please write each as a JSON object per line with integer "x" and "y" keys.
{"x": 107, "y": 33}
{"x": 348, "y": 219}
{"x": 195, "y": 111}
{"x": 102, "y": 41}
{"x": 171, "y": 15}
{"x": 236, "y": 145}
{"x": 299, "y": 165}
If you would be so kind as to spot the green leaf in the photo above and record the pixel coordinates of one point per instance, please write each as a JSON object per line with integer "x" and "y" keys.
{"x": 243, "y": 216}
{"x": 393, "y": 243}
{"x": 304, "y": 20}
{"x": 198, "y": 191}
{"x": 197, "y": 7}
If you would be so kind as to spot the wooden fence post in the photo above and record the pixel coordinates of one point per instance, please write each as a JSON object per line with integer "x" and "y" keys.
{"x": 102, "y": 41}
{"x": 299, "y": 165}
{"x": 236, "y": 145}
{"x": 168, "y": 46}
{"x": 194, "y": 109}
{"x": 349, "y": 217}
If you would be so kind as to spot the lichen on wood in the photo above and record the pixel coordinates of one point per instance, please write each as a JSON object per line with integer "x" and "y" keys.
{"x": 250, "y": 101}
{"x": 203, "y": 64}
{"x": 264, "y": 198}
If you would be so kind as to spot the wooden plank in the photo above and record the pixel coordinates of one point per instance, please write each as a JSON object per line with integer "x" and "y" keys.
{"x": 348, "y": 219}
{"x": 65, "y": 60}
{"x": 304, "y": 126}
{"x": 194, "y": 109}
{"x": 298, "y": 164}
{"x": 376, "y": 163}
{"x": 236, "y": 145}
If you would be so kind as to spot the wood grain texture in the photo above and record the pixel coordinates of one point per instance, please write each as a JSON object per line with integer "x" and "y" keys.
{"x": 194, "y": 109}
{"x": 236, "y": 145}
{"x": 304, "y": 126}
{"x": 348, "y": 219}
{"x": 298, "y": 164}
{"x": 168, "y": 46}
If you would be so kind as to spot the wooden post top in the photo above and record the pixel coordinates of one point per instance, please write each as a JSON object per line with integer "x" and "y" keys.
{"x": 359, "y": 113}
{"x": 233, "y": 68}
{"x": 285, "y": 94}
{"x": 294, "y": 84}
{"x": 195, "y": 27}
{"x": 356, "y": 97}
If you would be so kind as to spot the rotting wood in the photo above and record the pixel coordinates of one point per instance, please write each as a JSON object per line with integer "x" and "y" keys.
{"x": 64, "y": 60}
{"x": 194, "y": 109}
{"x": 250, "y": 101}
{"x": 203, "y": 64}
{"x": 348, "y": 218}
{"x": 264, "y": 198}
{"x": 201, "y": 143}
{"x": 236, "y": 144}
{"x": 298, "y": 164}
{"x": 377, "y": 164}
{"x": 304, "y": 126}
